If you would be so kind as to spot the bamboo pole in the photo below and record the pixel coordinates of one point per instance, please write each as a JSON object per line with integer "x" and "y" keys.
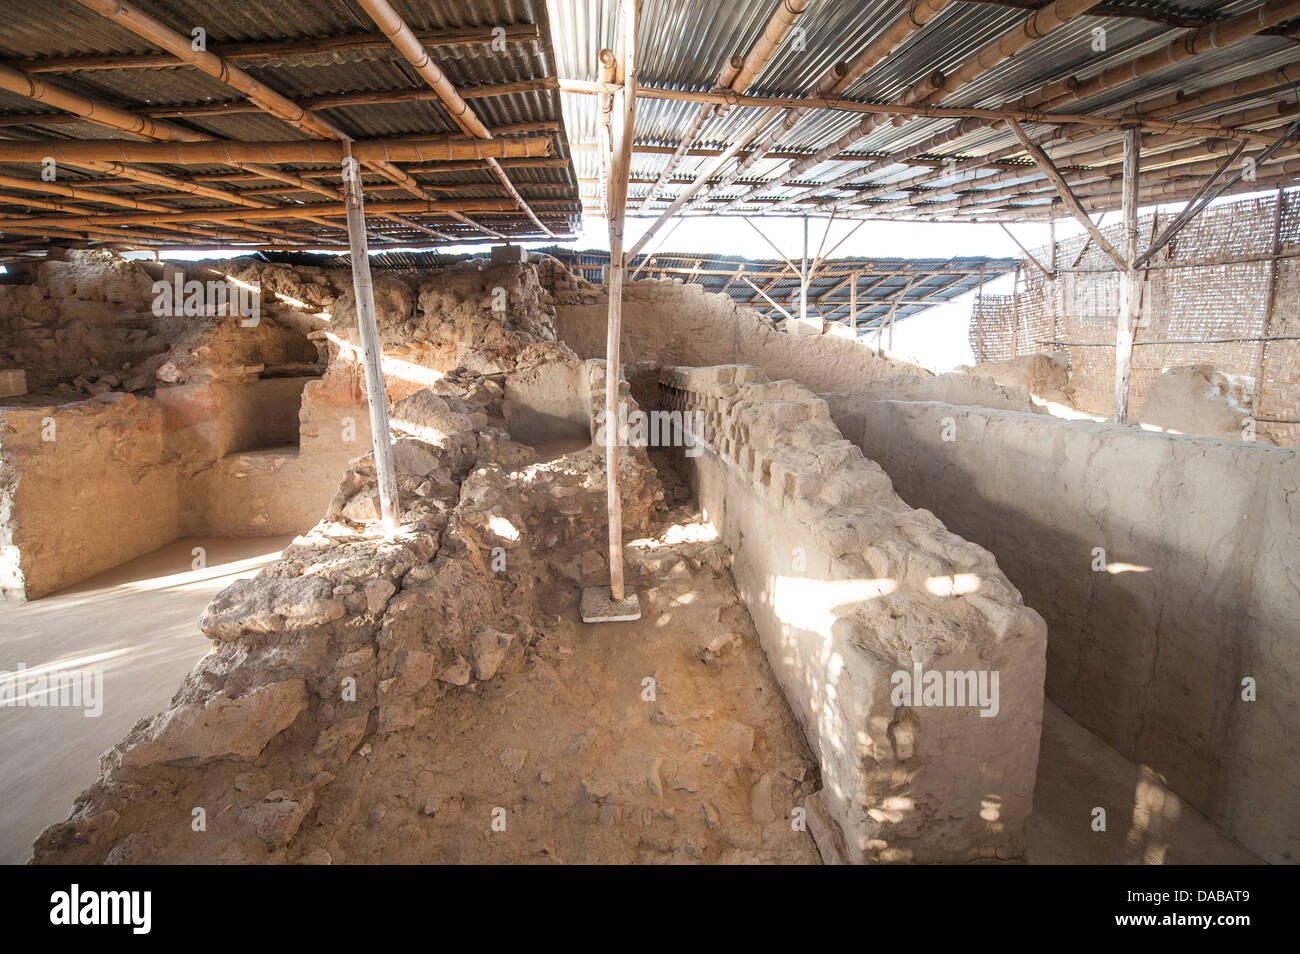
{"x": 853, "y": 303}
{"x": 725, "y": 76}
{"x": 604, "y": 135}
{"x": 1037, "y": 24}
{"x": 1045, "y": 164}
{"x": 325, "y": 152}
{"x": 1190, "y": 130}
{"x": 803, "y": 276}
{"x": 498, "y": 206}
{"x": 371, "y": 347}
{"x": 778, "y": 27}
{"x": 1126, "y": 325}
{"x": 404, "y": 39}
{"x": 838, "y": 79}
{"x": 1213, "y": 36}
{"x": 262, "y": 96}
{"x": 620, "y": 167}
{"x": 259, "y": 51}
{"x": 1274, "y": 271}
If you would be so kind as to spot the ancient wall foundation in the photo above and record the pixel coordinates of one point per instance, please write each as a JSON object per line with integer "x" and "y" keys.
{"x": 1165, "y": 568}
{"x": 851, "y": 590}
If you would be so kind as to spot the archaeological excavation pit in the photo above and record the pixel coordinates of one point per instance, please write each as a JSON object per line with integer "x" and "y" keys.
{"x": 360, "y": 505}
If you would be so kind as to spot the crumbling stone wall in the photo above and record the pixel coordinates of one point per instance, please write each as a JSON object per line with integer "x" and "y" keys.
{"x": 326, "y": 658}
{"x": 1165, "y": 568}
{"x": 848, "y": 587}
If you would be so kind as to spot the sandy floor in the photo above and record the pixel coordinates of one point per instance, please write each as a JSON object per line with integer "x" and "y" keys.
{"x": 1145, "y": 822}
{"x": 136, "y": 624}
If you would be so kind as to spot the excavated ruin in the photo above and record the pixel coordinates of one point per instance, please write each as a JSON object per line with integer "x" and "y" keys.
{"x": 431, "y": 696}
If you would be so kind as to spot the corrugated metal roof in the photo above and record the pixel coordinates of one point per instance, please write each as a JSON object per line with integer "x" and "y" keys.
{"x": 673, "y": 53}
{"x": 682, "y": 44}
{"x": 29, "y": 31}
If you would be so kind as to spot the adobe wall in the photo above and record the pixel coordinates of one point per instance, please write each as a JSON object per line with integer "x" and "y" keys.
{"x": 253, "y": 425}
{"x": 848, "y": 585}
{"x": 1196, "y": 591}
{"x": 83, "y": 488}
{"x": 675, "y": 324}
{"x": 849, "y": 409}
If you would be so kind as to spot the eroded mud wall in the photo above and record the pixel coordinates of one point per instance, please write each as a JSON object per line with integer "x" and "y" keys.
{"x": 1166, "y": 568}
{"x": 848, "y": 586}
{"x": 252, "y": 423}
{"x": 94, "y": 488}
{"x": 675, "y": 324}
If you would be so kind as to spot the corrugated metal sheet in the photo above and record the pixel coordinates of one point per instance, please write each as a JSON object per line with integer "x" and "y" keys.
{"x": 682, "y": 44}
{"x": 29, "y": 31}
{"x": 673, "y": 52}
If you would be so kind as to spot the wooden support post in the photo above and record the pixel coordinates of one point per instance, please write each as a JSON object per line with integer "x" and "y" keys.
{"x": 371, "y": 350}
{"x": 803, "y": 276}
{"x": 853, "y": 303}
{"x": 1271, "y": 305}
{"x": 1015, "y": 313}
{"x": 620, "y": 167}
{"x": 1055, "y": 297}
{"x": 1126, "y": 325}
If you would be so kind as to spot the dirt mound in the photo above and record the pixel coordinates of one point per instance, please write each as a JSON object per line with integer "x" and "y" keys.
{"x": 1199, "y": 399}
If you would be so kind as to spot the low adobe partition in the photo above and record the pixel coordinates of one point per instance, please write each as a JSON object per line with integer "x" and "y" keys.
{"x": 83, "y": 487}
{"x": 856, "y": 596}
{"x": 1168, "y": 572}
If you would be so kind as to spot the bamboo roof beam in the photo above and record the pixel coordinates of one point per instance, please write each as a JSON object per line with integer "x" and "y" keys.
{"x": 702, "y": 114}
{"x": 1045, "y": 164}
{"x": 325, "y": 152}
{"x": 260, "y": 51}
{"x": 1066, "y": 89}
{"x": 1150, "y": 144}
{"x": 775, "y": 104}
{"x": 261, "y": 95}
{"x": 408, "y": 44}
{"x": 257, "y": 92}
{"x": 919, "y": 93}
{"x": 1036, "y": 25}
{"x": 738, "y": 80}
{"x": 491, "y": 206}
{"x": 841, "y": 77}
{"x": 1211, "y": 37}
{"x": 1181, "y": 101}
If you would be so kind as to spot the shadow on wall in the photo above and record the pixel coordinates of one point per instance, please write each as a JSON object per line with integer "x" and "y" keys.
{"x": 1160, "y": 564}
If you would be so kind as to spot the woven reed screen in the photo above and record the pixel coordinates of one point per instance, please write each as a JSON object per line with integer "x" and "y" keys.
{"x": 1211, "y": 281}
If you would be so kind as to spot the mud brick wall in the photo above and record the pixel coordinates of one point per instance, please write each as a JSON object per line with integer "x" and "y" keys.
{"x": 675, "y": 324}
{"x": 83, "y": 488}
{"x": 1197, "y": 588}
{"x": 848, "y": 585}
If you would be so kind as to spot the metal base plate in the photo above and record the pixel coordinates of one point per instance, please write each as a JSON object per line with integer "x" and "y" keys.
{"x": 598, "y": 606}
